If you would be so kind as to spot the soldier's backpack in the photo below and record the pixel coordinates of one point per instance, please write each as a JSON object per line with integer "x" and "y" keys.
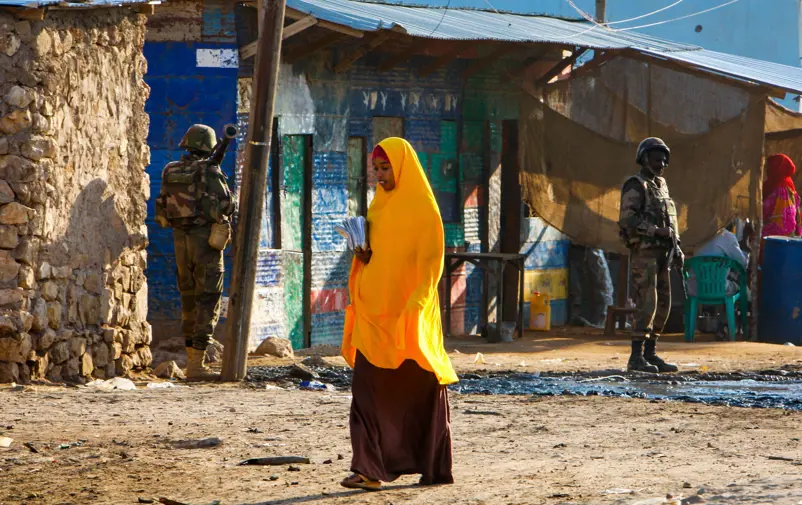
{"x": 179, "y": 202}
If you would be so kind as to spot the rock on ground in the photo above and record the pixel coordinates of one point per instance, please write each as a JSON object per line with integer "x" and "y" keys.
{"x": 214, "y": 352}
{"x": 275, "y": 346}
{"x": 302, "y": 372}
{"x": 315, "y": 361}
{"x": 169, "y": 370}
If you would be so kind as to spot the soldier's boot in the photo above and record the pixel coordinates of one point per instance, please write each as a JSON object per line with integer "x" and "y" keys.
{"x": 196, "y": 367}
{"x": 651, "y": 356}
{"x": 637, "y": 363}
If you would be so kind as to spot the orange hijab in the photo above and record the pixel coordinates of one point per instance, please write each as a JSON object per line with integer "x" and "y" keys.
{"x": 395, "y": 309}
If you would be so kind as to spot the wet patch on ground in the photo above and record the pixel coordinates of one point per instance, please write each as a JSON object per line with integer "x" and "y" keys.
{"x": 786, "y": 394}
{"x": 781, "y": 388}
{"x": 294, "y": 375}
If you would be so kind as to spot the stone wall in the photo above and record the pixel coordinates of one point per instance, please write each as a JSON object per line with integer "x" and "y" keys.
{"x": 73, "y": 193}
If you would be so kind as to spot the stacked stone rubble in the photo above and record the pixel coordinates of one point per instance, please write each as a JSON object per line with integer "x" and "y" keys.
{"x": 73, "y": 193}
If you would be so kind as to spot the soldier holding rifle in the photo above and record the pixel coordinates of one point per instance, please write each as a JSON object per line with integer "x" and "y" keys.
{"x": 196, "y": 202}
{"x": 648, "y": 224}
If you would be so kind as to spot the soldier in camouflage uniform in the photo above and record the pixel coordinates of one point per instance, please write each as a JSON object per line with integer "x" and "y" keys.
{"x": 196, "y": 202}
{"x": 648, "y": 223}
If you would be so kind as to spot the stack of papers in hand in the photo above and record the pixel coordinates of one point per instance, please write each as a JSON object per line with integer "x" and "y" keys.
{"x": 354, "y": 230}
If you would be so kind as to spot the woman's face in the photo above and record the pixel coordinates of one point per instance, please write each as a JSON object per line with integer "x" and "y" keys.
{"x": 384, "y": 173}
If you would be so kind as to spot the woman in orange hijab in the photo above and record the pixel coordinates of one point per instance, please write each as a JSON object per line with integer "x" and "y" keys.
{"x": 393, "y": 338}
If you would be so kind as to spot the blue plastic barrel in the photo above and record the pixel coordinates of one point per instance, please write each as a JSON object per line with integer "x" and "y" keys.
{"x": 780, "y": 316}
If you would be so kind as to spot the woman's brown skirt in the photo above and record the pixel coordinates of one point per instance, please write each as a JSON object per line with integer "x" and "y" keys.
{"x": 400, "y": 423}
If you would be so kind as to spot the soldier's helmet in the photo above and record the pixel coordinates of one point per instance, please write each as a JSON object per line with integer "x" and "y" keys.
{"x": 650, "y": 144}
{"x": 199, "y": 137}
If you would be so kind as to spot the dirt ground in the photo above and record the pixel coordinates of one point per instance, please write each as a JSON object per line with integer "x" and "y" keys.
{"x": 580, "y": 350}
{"x": 507, "y": 449}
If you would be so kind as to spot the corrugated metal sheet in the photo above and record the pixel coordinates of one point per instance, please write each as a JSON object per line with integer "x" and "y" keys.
{"x": 464, "y": 24}
{"x": 33, "y": 4}
{"x": 781, "y": 76}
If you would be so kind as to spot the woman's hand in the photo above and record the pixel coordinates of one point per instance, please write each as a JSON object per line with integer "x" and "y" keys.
{"x": 363, "y": 254}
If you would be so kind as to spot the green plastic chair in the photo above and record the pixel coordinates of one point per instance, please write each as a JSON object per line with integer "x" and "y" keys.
{"x": 711, "y": 289}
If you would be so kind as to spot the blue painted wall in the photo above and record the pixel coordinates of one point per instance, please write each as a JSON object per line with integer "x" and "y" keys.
{"x": 183, "y": 92}
{"x": 762, "y": 29}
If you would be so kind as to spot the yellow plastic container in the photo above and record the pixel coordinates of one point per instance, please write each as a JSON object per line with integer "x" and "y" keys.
{"x": 539, "y": 312}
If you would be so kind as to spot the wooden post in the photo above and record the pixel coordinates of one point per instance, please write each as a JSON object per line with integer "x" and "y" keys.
{"x": 447, "y": 324}
{"x": 484, "y": 219}
{"x": 510, "y": 220}
{"x": 756, "y": 214}
{"x": 601, "y": 11}
{"x": 252, "y": 192}
{"x": 623, "y": 288}
{"x": 260, "y": 12}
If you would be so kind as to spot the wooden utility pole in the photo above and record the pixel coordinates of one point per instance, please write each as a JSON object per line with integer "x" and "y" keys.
{"x": 756, "y": 214}
{"x": 252, "y": 192}
{"x": 601, "y": 11}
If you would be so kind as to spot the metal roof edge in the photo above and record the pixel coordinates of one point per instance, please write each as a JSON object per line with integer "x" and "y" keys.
{"x": 373, "y": 16}
{"x": 85, "y": 4}
{"x": 477, "y": 9}
{"x": 738, "y": 68}
{"x": 484, "y": 25}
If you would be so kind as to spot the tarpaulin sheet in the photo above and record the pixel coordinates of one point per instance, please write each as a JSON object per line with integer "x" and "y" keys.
{"x": 578, "y": 144}
{"x": 784, "y": 135}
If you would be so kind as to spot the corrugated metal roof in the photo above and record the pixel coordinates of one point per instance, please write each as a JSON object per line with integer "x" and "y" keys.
{"x": 34, "y": 4}
{"x": 468, "y": 24}
{"x": 777, "y": 75}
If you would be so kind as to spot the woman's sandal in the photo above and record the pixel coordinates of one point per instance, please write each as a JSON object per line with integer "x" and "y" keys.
{"x": 356, "y": 481}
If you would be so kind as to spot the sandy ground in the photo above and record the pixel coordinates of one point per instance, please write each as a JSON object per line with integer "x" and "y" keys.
{"x": 508, "y": 449}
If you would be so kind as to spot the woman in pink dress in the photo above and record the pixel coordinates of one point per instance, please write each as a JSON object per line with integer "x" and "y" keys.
{"x": 781, "y": 204}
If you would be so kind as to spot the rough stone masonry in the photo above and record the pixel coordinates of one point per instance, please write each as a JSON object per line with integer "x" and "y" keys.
{"x": 73, "y": 193}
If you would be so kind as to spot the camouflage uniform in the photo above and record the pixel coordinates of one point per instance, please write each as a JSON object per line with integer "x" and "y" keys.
{"x": 194, "y": 196}
{"x": 645, "y": 207}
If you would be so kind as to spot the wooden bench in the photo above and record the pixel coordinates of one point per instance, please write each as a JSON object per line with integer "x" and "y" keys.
{"x": 614, "y": 313}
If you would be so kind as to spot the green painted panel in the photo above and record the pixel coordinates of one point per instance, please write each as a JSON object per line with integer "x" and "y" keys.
{"x": 443, "y": 165}
{"x": 506, "y": 106}
{"x": 473, "y": 136}
{"x": 479, "y": 105}
{"x": 292, "y": 183}
{"x": 294, "y": 156}
{"x": 292, "y": 221}
{"x": 443, "y": 173}
{"x": 496, "y": 78}
{"x": 474, "y": 106}
{"x": 293, "y": 163}
{"x": 424, "y": 163}
{"x": 293, "y": 279}
{"x": 471, "y": 164}
{"x": 448, "y": 137}
{"x": 356, "y": 175}
{"x": 455, "y": 235}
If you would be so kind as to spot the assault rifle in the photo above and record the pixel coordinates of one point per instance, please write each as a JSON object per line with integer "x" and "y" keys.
{"x": 675, "y": 258}
{"x": 229, "y": 133}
